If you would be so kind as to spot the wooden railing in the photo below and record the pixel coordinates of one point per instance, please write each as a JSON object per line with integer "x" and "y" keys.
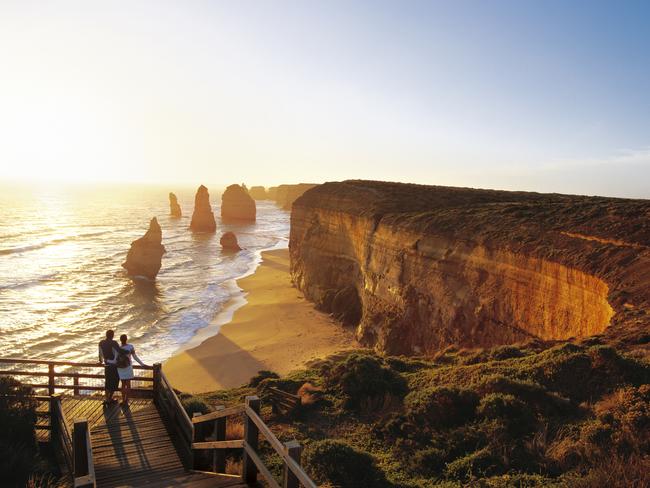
{"x": 293, "y": 477}
{"x": 282, "y": 402}
{"x": 52, "y": 375}
{"x": 84, "y": 467}
{"x": 172, "y": 409}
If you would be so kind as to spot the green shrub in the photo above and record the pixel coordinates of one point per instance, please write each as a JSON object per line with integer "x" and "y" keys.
{"x": 194, "y": 404}
{"x": 515, "y": 413}
{"x": 260, "y": 376}
{"x": 18, "y": 449}
{"x": 338, "y": 463}
{"x": 475, "y": 465}
{"x": 361, "y": 377}
{"x": 441, "y": 407}
{"x": 428, "y": 462}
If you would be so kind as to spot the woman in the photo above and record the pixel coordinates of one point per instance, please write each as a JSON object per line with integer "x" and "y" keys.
{"x": 124, "y": 355}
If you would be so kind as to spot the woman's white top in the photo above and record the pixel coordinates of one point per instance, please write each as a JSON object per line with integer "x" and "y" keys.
{"x": 127, "y": 373}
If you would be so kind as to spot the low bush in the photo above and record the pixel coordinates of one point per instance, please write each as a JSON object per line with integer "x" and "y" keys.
{"x": 19, "y": 456}
{"x": 361, "y": 377}
{"x": 195, "y": 405}
{"x": 260, "y": 376}
{"x": 515, "y": 413}
{"x": 478, "y": 464}
{"x": 338, "y": 463}
{"x": 441, "y": 407}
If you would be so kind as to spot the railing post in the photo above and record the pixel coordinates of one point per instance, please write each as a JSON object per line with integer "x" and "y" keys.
{"x": 219, "y": 455}
{"x": 55, "y": 408}
{"x": 198, "y": 436}
{"x": 75, "y": 382}
{"x": 50, "y": 379}
{"x": 294, "y": 450}
{"x": 80, "y": 454}
{"x": 251, "y": 439}
{"x": 157, "y": 371}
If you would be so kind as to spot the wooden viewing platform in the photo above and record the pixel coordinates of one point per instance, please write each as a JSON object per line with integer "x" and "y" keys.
{"x": 153, "y": 442}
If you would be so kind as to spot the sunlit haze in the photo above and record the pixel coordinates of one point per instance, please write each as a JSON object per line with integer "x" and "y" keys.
{"x": 547, "y": 96}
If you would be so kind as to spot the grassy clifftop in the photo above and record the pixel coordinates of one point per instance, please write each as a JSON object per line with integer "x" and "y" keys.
{"x": 530, "y": 415}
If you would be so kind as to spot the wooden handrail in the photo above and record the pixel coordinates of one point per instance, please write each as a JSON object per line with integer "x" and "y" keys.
{"x": 51, "y": 374}
{"x": 232, "y": 444}
{"x": 252, "y": 453}
{"x": 226, "y": 412}
{"x": 279, "y": 448}
{"x": 67, "y": 375}
{"x": 252, "y": 463}
{"x": 63, "y": 363}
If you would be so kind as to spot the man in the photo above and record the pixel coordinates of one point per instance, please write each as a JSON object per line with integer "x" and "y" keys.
{"x": 107, "y": 348}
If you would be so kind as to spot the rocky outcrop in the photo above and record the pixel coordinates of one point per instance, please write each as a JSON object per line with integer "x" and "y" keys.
{"x": 237, "y": 205}
{"x": 145, "y": 256}
{"x": 203, "y": 218}
{"x": 174, "y": 207}
{"x": 285, "y": 195}
{"x": 258, "y": 193}
{"x": 272, "y": 193}
{"x": 417, "y": 268}
{"x": 229, "y": 242}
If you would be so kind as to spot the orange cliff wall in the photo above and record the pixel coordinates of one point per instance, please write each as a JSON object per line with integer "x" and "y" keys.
{"x": 418, "y": 268}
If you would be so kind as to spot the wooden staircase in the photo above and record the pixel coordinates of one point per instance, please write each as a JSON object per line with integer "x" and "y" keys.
{"x": 152, "y": 442}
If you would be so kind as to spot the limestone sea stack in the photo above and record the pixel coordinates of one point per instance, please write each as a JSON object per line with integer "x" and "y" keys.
{"x": 174, "y": 207}
{"x": 258, "y": 193}
{"x": 237, "y": 205}
{"x": 229, "y": 242}
{"x": 203, "y": 218}
{"x": 145, "y": 256}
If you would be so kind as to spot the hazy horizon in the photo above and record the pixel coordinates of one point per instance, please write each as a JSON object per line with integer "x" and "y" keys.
{"x": 545, "y": 97}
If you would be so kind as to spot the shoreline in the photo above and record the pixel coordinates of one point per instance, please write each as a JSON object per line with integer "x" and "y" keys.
{"x": 236, "y": 301}
{"x": 271, "y": 326}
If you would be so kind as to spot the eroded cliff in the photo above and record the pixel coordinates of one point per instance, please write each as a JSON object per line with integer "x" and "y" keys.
{"x": 285, "y": 195}
{"x": 416, "y": 268}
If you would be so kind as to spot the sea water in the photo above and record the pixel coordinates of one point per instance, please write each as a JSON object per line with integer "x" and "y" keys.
{"x": 62, "y": 284}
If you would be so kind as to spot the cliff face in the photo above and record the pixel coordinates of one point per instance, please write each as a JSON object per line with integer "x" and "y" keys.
{"x": 237, "y": 205}
{"x": 285, "y": 195}
{"x": 203, "y": 217}
{"x": 416, "y": 268}
{"x": 145, "y": 255}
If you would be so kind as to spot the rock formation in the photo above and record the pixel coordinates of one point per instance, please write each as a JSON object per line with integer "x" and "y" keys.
{"x": 258, "y": 193}
{"x": 144, "y": 257}
{"x": 417, "y": 268}
{"x": 229, "y": 242}
{"x": 285, "y": 195}
{"x": 174, "y": 207}
{"x": 203, "y": 218}
{"x": 272, "y": 193}
{"x": 237, "y": 205}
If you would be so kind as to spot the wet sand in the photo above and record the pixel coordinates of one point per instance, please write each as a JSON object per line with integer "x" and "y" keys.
{"x": 277, "y": 330}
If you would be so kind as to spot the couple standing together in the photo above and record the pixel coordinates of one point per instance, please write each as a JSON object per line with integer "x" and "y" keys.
{"x": 117, "y": 360}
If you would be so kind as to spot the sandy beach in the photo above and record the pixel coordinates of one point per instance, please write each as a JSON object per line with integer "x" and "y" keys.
{"x": 277, "y": 329}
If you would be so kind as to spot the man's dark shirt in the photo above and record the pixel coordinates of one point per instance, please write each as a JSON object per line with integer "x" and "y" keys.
{"x": 107, "y": 347}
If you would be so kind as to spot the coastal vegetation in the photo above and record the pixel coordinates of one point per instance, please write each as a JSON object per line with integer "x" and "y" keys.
{"x": 21, "y": 462}
{"x": 535, "y": 414}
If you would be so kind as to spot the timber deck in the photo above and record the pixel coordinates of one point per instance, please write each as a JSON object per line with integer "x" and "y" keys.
{"x": 132, "y": 447}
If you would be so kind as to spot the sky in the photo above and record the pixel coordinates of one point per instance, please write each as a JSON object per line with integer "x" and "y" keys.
{"x": 526, "y": 95}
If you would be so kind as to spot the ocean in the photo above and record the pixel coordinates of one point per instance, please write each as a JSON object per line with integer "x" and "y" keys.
{"x": 62, "y": 284}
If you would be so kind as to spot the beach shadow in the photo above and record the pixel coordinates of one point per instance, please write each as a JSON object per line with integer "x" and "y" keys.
{"x": 277, "y": 263}
{"x": 232, "y": 367}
